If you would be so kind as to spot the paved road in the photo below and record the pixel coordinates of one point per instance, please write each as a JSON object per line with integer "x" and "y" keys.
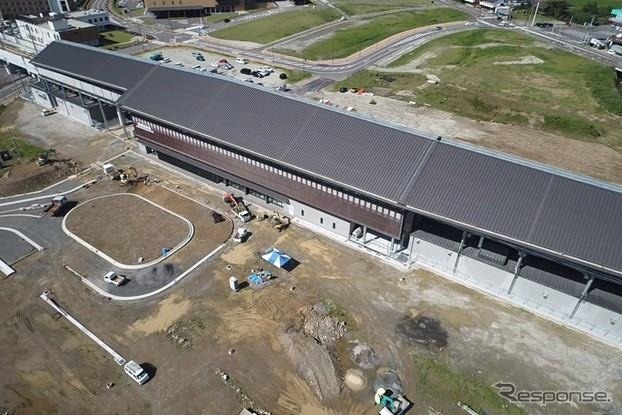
{"x": 12, "y": 247}
{"x": 334, "y": 69}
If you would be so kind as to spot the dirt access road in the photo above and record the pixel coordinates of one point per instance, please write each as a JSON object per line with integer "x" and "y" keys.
{"x": 49, "y": 367}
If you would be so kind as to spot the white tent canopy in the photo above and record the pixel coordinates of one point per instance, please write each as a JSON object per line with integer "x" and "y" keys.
{"x": 276, "y": 258}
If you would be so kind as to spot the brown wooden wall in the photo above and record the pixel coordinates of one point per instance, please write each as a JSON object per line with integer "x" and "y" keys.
{"x": 316, "y": 198}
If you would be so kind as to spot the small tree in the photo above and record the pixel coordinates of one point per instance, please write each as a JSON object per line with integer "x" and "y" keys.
{"x": 559, "y": 9}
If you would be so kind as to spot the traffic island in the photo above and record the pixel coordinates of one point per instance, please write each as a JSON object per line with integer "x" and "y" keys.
{"x": 127, "y": 230}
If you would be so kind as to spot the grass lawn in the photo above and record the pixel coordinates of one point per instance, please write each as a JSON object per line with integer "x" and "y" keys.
{"x": 357, "y": 7}
{"x": 564, "y": 94}
{"x": 294, "y": 76}
{"x": 614, "y": 4}
{"x": 345, "y": 42}
{"x": 117, "y": 36}
{"x": 219, "y": 17}
{"x": 441, "y": 386}
{"x": 278, "y": 26}
{"x": 26, "y": 151}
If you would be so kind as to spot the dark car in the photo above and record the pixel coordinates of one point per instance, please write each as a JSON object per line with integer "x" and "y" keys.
{"x": 257, "y": 74}
{"x": 245, "y": 71}
{"x": 200, "y": 58}
{"x": 343, "y": 89}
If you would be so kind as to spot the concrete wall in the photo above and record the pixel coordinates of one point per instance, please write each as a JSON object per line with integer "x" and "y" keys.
{"x": 537, "y": 298}
{"x": 319, "y": 218}
{"x": 41, "y": 98}
{"x": 73, "y": 111}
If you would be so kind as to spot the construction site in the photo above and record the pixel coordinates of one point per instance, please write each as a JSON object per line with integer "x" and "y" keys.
{"x": 323, "y": 336}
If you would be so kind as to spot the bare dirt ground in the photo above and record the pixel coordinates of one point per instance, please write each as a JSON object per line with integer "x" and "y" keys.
{"x": 28, "y": 177}
{"x": 126, "y": 227}
{"x": 592, "y": 159}
{"x": 71, "y": 139}
{"x": 49, "y": 367}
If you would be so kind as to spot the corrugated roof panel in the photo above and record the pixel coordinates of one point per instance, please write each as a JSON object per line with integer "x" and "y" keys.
{"x": 583, "y": 221}
{"x": 250, "y": 118}
{"x": 479, "y": 190}
{"x": 176, "y": 102}
{"x": 85, "y": 62}
{"x": 365, "y": 155}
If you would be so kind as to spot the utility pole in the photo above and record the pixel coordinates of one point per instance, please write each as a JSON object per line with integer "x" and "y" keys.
{"x": 535, "y": 14}
{"x": 587, "y": 30}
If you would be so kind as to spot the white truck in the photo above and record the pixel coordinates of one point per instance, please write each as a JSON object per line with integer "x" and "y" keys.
{"x": 136, "y": 372}
{"x": 114, "y": 278}
{"x": 241, "y": 235}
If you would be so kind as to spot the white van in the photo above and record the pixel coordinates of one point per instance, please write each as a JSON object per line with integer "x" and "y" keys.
{"x": 136, "y": 372}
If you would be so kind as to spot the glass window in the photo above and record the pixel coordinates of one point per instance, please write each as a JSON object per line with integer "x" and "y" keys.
{"x": 302, "y": 212}
{"x": 321, "y": 221}
{"x": 334, "y": 225}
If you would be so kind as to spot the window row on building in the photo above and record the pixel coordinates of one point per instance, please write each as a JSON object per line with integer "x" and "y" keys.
{"x": 152, "y": 127}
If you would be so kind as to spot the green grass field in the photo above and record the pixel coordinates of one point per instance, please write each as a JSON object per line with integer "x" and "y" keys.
{"x": 117, "y": 36}
{"x": 26, "y": 151}
{"x": 442, "y": 386}
{"x": 345, "y": 42}
{"x": 609, "y": 3}
{"x": 564, "y": 94}
{"x": 219, "y": 17}
{"x": 358, "y": 7}
{"x": 278, "y": 26}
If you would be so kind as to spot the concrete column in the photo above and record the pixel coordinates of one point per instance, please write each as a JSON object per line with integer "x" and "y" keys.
{"x": 101, "y": 109}
{"x": 583, "y": 295}
{"x": 465, "y": 234}
{"x": 364, "y": 234}
{"x": 391, "y": 247}
{"x": 516, "y": 271}
{"x": 122, "y": 122}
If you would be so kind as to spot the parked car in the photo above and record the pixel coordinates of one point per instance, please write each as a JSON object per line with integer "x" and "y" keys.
{"x": 114, "y": 278}
{"x": 241, "y": 61}
{"x": 200, "y": 58}
{"x": 48, "y": 111}
{"x": 227, "y": 20}
{"x": 257, "y": 74}
{"x": 282, "y": 75}
{"x": 197, "y": 67}
{"x": 343, "y": 89}
{"x": 246, "y": 71}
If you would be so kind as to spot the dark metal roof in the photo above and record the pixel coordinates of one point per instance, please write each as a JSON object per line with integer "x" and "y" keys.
{"x": 511, "y": 199}
{"x": 90, "y": 64}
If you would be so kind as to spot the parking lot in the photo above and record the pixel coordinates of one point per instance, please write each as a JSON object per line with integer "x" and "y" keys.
{"x": 183, "y": 56}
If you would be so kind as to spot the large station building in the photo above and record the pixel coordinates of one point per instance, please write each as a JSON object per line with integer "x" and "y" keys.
{"x": 544, "y": 239}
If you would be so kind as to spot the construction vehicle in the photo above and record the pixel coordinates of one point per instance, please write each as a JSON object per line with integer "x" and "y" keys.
{"x": 44, "y": 158}
{"x": 54, "y": 208}
{"x": 136, "y": 372}
{"x": 391, "y": 403}
{"x": 237, "y": 207}
{"x": 115, "y": 279}
{"x": 241, "y": 235}
{"x": 128, "y": 177}
{"x": 279, "y": 222}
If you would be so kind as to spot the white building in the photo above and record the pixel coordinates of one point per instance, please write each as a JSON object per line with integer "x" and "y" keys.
{"x": 43, "y": 30}
{"x": 99, "y": 18}
{"x": 490, "y": 4}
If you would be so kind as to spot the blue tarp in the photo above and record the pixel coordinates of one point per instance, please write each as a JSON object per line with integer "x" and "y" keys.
{"x": 276, "y": 258}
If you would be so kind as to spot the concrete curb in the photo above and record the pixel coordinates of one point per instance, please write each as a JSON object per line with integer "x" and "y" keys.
{"x": 32, "y": 199}
{"x": 113, "y": 261}
{"x": 24, "y": 237}
{"x": 152, "y": 293}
